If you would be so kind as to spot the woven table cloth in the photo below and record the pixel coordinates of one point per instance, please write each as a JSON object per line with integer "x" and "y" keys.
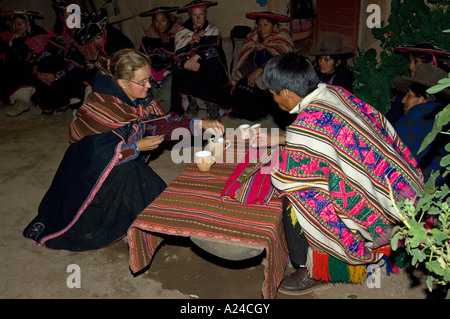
{"x": 192, "y": 206}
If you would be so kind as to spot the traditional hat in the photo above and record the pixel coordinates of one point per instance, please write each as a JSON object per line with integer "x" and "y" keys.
{"x": 424, "y": 47}
{"x": 267, "y": 14}
{"x": 197, "y": 4}
{"x": 426, "y": 74}
{"x": 30, "y": 13}
{"x": 156, "y": 10}
{"x": 60, "y": 4}
{"x": 93, "y": 26}
{"x": 332, "y": 44}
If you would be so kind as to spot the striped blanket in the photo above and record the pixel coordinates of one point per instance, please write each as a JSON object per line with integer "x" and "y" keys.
{"x": 192, "y": 206}
{"x": 339, "y": 154}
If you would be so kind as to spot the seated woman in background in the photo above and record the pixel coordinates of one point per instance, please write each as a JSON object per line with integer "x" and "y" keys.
{"x": 158, "y": 43}
{"x": 104, "y": 181}
{"x": 331, "y": 63}
{"x": 200, "y": 71}
{"x": 420, "y": 109}
{"x": 266, "y": 40}
{"x": 417, "y": 54}
{"x": 60, "y": 68}
{"x": 19, "y": 48}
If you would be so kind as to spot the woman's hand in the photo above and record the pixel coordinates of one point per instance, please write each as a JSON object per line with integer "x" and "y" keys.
{"x": 253, "y": 78}
{"x": 214, "y": 127}
{"x": 149, "y": 143}
{"x": 192, "y": 63}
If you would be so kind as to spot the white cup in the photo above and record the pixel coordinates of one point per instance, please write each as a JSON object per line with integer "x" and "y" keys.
{"x": 244, "y": 129}
{"x": 218, "y": 145}
{"x": 204, "y": 160}
{"x": 255, "y": 128}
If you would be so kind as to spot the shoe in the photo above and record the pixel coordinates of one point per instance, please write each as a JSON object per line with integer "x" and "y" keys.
{"x": 299, "y": 283}
{"x": 18, "y": 108}
{"x": 192, "y": 110}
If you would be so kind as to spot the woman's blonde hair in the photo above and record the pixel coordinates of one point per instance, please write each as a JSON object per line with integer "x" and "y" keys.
{"x": 123, "y": 64}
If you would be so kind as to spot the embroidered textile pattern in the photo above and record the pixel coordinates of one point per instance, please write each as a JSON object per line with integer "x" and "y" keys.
{"x": 338, "y": 187}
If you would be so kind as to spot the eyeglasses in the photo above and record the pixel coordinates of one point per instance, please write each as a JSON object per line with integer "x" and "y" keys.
{"x": 143, "y": 83}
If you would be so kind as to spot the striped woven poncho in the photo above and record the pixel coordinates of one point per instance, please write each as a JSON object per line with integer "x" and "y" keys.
{"x": 104, "y": 113}
{"x": 338, "y": 154}
{"x": 279, "y": 42}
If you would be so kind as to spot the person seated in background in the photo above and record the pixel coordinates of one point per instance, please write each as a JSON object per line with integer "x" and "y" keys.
{"x": 338, "y": 161}
{"x": 60, "y": 69}
{"x": 420, "y": 110}
{"x": 104, "y": 181}
{"x": 200, "y": 71}
{"x": 417, "y": 54}
{"x": 331, "y": 62}
{"x": 19, "y": 48}
{"x": 99, "y": 39}
{"x": 158, "y": 43}
{"x": 266, "y": 40}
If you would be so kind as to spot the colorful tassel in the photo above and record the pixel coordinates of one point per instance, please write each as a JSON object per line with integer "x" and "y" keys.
{"x": 386, "y": 250}
{"x": 320, "y": 270}
{"x": 338, "y": 270}
{"x": 358, "y": 273}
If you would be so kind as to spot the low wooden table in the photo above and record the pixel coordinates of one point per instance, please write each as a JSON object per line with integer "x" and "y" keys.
{"x": 192, "y": 206}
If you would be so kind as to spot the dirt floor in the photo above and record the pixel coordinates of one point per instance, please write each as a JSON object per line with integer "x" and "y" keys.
{"x": 31, "y": 147}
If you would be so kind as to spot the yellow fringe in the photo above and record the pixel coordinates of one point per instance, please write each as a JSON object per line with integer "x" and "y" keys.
{"x": 358, "y": 273}
{"x": 293, "y": 217}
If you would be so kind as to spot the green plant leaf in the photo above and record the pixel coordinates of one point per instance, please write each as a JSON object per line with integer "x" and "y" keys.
{"x": 447, "y": 275}
{"x": 442, "y": 84}
{"x": 417, "y": 256}
{"x": 435, "y": 267}
{"x": 445, "y": 161}
{"x": 440, "y": 120}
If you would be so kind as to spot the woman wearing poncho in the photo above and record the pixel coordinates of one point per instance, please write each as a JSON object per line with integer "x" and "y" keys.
{"x": 266, "y": 40}
{"x": 19, "y": 49}
{"x": 200, "y": 71}
{"x": 158, "y": 43}
{"x": 339, "y": 157}
{"x": 60, "y": 68}
{"x": 104, "y": 181}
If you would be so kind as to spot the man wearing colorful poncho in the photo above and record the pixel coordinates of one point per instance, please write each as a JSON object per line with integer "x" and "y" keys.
{"x": 337, "y": 162}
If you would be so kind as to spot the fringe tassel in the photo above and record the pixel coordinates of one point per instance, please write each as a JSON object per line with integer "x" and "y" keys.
{"x": 386, "y": 250}
{"x": 324, "y": 267}
{"x": 293, "y": 217}
{"x": 339, "y": 271}
{"x": 320, "y": 270}
{"x": 358, "y": 273}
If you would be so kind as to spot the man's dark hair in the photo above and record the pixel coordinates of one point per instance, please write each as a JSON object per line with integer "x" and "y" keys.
{"x": 291, "y": 71}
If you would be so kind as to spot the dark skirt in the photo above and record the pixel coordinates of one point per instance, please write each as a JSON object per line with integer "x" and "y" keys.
{"x": 209, "y": 83}
{"x": 128, "y": 189}
{"x": 57, "y": 95}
